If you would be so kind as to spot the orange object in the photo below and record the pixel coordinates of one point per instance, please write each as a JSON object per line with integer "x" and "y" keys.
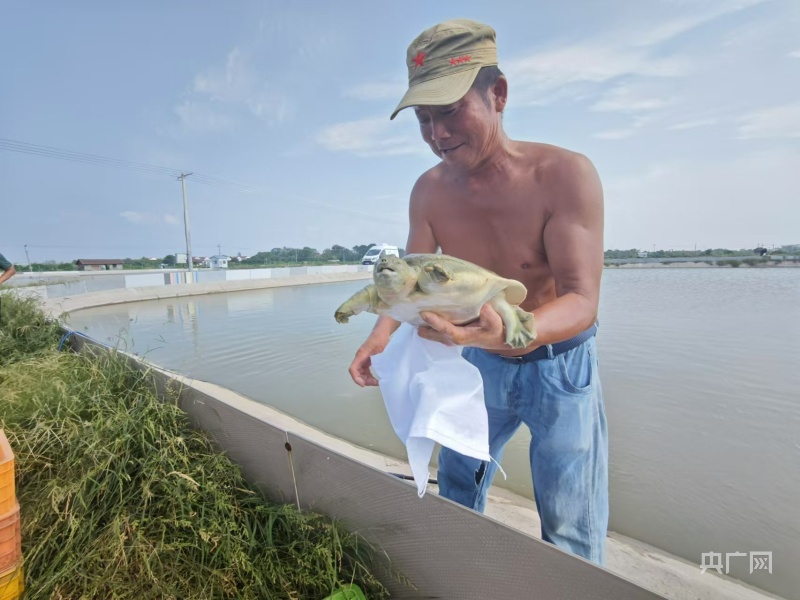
{"x": 10, "y": 539}
{"x": 7, "y": 491}
{"x": 12, "y": 584}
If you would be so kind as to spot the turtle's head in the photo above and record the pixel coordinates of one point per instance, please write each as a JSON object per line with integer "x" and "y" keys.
{"x": 394, "y": 278}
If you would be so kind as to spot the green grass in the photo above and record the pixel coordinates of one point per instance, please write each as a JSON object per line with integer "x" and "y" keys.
{"x": 729, "y": 263}
{"x": 24, "y": 332}
{"x": 120, "y": 498}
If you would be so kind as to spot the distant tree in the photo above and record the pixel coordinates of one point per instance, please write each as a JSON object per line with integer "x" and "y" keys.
{"x": 307, "y": 254}
{"x": 260, "y": 258}
{"x": 632, "y": 253}
{"x": 340, "y": 253}
{"x": 139, "y": 263}
{"x": 361, "y": 249}
{"x": 169, "y": 260}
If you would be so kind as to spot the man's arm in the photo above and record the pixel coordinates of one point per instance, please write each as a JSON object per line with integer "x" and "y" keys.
{"x": 420, "y": 240}
{"x": 573, "y": 241}
{"x": 8, "y": 274}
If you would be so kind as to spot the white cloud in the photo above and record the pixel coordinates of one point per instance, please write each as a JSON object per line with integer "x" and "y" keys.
{"x": 377, "y": 91}
{"x": 219, "y": 95}
{"x": 226, "y": 84}
{"x": 171, "y": 219}
{"x": 727, "y": 204}
{"x": 134, "y": 217}
{"x": 614, "y": 134}
{"x": 201, "y": 116}
{"x": 678, "y": 25}
{"x": 575, "y": 71}
{"x": 270, "y": 108}
{"x": 667, "y": 30}
{"x": 535, "y": 78}
{"x": 774, "y": 122}
{"x": 630, "y": 99}
{"x": 693, "y": 124}
{"x": 795, "y": 54}
{"x": 374, "y": 136}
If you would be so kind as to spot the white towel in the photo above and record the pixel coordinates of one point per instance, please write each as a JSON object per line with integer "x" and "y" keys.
{"x": 432, "y": 394}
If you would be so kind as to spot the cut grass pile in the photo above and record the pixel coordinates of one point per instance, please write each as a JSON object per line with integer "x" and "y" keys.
{"x": 121, "y": 499}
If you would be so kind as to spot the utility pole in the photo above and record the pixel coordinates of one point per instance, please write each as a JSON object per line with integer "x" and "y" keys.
{"x": 183, "y": 177}
{"x": 219, "y": 250}
{"x": 30, "y": 268}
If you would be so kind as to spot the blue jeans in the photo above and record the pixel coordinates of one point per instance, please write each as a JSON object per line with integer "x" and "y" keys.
{"x": 560, "y": 400}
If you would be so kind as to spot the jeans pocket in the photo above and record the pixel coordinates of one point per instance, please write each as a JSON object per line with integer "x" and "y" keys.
{"x": 565, "y": 415}
{"x": 575, "y": 369}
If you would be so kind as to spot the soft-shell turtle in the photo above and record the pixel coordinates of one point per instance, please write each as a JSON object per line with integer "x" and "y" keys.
{"x": 448, "y": 286}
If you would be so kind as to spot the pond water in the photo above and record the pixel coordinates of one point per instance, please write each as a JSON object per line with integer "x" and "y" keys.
{"x": 700, "y": 369}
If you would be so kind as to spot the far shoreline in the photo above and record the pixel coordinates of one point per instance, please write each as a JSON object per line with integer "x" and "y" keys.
{"x": 726, "y": 264}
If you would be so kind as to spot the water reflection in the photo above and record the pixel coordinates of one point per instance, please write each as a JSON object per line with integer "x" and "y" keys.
{"x": 185, "y": 314}
{"x": 699, "y": 374}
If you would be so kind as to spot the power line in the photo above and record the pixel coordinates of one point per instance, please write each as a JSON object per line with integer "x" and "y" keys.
{"x": 50, "y": 152}
{"x": 20, "y": 147}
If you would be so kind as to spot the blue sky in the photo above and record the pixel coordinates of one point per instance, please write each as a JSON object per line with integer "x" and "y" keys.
{"x": 690, "y": 110}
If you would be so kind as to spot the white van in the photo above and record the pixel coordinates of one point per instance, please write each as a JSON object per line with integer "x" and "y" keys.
{"x": 371, "y": 257}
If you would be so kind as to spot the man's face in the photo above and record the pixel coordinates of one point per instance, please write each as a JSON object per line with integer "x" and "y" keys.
{"x": 462, "y": 133}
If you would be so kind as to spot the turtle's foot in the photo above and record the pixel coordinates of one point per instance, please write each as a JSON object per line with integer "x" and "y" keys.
{"x": 342, "y": 316}
{"x": 519, "y": 337}
{"x": 522, "y": 333}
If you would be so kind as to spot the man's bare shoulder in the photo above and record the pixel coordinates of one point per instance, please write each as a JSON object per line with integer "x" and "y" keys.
{"x": 553, "y": 161}
{"x": 427, "y": 183}
{"x": 560, "y": 171}
{"x": 432, "y": 176}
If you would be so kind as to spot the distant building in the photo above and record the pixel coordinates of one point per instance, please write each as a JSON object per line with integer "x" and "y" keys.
{"x": 219, "y": 261}
{"x": 99, "y": 264}
{"x": 642, "y": 254}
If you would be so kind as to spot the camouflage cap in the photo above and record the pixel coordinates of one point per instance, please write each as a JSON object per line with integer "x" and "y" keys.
{"x": 444, "y": 60}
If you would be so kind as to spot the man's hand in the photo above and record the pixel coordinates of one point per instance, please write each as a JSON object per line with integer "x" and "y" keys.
{"x": 359, "y": 368}
{"x": 487, "y": 332}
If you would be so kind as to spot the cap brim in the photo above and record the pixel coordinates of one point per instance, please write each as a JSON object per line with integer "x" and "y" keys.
{"x": 439, "y": 91}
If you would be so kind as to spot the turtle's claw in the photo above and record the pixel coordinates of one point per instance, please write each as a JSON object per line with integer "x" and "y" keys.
{"x": 519, "y": 337}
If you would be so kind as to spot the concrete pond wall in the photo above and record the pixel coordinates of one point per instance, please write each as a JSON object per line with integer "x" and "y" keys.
{"x": 61, "y": 284}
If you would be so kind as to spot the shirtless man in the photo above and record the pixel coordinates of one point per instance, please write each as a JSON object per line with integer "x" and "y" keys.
{"x": 530, "y": 212}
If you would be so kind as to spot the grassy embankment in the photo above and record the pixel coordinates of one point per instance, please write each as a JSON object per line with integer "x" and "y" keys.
{"x": 121, "y": 499}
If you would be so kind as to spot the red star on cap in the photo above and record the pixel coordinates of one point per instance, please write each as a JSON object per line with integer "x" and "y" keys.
{"x": 419, "y": 59}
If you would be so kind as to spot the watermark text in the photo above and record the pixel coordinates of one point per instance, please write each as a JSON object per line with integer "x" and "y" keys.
{"x": 759, "y": 561}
